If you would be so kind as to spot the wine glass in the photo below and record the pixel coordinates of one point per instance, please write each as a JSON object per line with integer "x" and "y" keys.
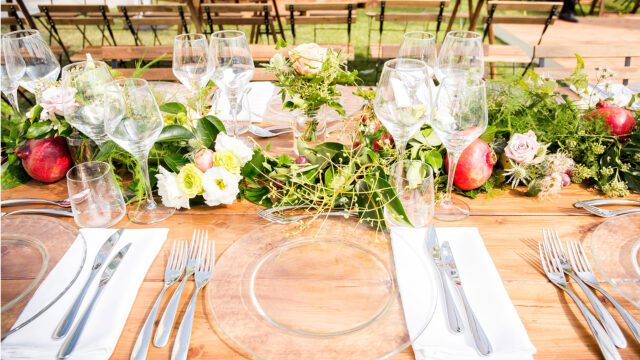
{"x": 413, "y": 183}
{"x": 419, "y": 45}
{"x": 133, "y": 120}
{"x": 233, "y": 68}
{"x": 12, "y": 69}
{"x": 461, "y": 54}
{"x": 40, "y": 62}
{"x": 461, "y": 117}
{"x": 87, "y": 114}
{"x": 403, "y": 99}
{"x": 192, "y": 64}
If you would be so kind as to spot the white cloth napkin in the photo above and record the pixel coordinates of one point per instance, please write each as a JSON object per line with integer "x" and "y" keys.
{"x": 484, "y": 289}
{"x": 109, "y": 314}
{"x": 255, "y": 103}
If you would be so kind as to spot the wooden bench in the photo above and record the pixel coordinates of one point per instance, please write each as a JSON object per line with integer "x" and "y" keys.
{"x": 492, "y": 53}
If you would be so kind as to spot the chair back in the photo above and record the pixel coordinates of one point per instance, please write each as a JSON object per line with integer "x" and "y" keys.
{"x": 13, "y": 16}
{"x": 154, "y": 16}
{"x": 406, "y": 11}
{"x": 533, "y": 12}
{"x": 221, "y": 14}
{"x": 335, "y": 13}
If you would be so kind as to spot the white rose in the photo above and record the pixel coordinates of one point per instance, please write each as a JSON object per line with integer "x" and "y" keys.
{"x": 169, "y": 191}
{"x": 237, "y": 147}
{"x": 523, "y": 148}
{"x": 308, "y": 58}
{"x": 58, "y": 100}
{"x": 220, "y": 186}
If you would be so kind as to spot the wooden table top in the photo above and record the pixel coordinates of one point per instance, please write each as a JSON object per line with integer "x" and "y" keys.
{"x": 552, "y": 320}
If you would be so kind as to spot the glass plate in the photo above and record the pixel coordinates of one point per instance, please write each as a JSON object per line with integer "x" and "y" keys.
{"x": 326, "y": 290}
{"x": 615, "y": 247}
{"x": 31, "y": 248}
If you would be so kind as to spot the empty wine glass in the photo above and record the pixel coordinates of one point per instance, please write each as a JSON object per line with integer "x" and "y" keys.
{"x": 413, "y": 183}
{"x": 419, "y": 45}
{"x": 87, "y": 114}
{"x": 40, "y": 62}
{"x": 12, "y": 69}
{"x": 192, "y": 64}
{"x": 133, "y": 120}
{"x": 461, "y": 54}
{"x": 461, "y": 117}
{"x": 403, "y": 99}
{"x": 233, "y": 68}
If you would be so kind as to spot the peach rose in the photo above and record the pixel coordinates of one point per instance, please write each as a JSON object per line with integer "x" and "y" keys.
{"x": 308, "y": 58}
{"x": 204, "y": 159}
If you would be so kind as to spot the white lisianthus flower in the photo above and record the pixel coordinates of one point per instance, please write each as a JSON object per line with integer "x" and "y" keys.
{"x": 58, "y": 100}
{"x": 169, "y": 190}
{"x": 237, "y": 147}
{"x": 220, "y": 186}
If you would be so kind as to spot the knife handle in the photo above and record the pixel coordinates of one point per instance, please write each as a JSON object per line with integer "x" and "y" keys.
{"x": 453, "y": 316}
{"x": 70, "y": 343}
{"x": 65, "y": 324}
{"x": 479, "y": 337}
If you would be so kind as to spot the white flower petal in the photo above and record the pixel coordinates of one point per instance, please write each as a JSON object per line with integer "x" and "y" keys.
{"x": 169, "y": 191}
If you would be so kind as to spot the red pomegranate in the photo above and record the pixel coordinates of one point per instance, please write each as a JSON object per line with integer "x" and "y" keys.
{"x": 620, "y": 121}
{"x": 46, "y": 160}
{"x": 475, "y": 166}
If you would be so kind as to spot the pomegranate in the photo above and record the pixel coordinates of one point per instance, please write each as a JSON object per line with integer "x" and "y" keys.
{"x": 46, "y": 160}
{"x": 371, "y": 127}
{"x": 620, "y": 121}
{"x": 474, "y": 166}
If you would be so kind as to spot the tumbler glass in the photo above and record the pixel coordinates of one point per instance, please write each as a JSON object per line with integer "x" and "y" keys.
{"x": 413, "y": 182}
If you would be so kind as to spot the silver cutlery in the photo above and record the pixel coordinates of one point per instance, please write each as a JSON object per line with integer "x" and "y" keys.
{"x": 271, "y": 131}
{"x": 25, "y": 201}
{"x": 103, "y": 254}
{"x": 169, "y": 316}
{"x": 582, "y": 267}
{"x": 275, "y": 214}
{"x": 552, "y": 240}
{"x": 70, "y": 343}
{"x": 42, "y": 211}
{"x": 596, "y": 202}
{"x": 482, "y": 343}
{"x": 454, "y": 320}
{"x": 608, "y": 213}
{"x": 555, "y": 274}
{"x": 175, "y": 267}
{"x": 206, "y": 260}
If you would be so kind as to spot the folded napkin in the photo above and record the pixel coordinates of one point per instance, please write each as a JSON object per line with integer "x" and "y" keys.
{"x": 253, "y": 107}
{"x": 484, "y": 289}
{"x": 109, "y": 314}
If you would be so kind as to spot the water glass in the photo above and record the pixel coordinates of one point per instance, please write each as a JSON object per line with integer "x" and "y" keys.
{"x": 461, "y": 54}
{"x": 12, "y": 69}
{"x": 96, "y": 199}
{"x": 413, "y": 182}
{"x": 419, "y": 45}
{"x": 192, "y": 64}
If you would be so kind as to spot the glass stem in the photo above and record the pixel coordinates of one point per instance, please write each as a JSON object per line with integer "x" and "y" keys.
{"x": 401, "y": 146}
{"x": 453, "y": 162}
{"x": 233, "y": 105}
{"x": 12, "y": 96}
{"x": 144, "y": 168}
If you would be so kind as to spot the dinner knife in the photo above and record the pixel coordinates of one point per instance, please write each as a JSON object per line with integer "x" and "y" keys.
{"x": 103, "y": 254}
{"x": 70, "y": 343}
{"x": 454, "y": 320}
{"x": 479, "y": 337}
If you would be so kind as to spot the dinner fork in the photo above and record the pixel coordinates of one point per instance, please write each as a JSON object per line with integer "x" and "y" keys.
{"x": 557, "y": 250}
{"x": 555, "y": 274}
{"x": 175, "y": 267}
{"x": 608, "y": 213}
{"x": 582, "y": 267}
{"x": 275, "y": 214}
{"x": 169, "y": 316}
{"x": 207, "y": 257}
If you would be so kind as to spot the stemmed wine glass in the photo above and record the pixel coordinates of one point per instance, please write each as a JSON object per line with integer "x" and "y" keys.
{"x": 133, "y": 121}
{"x": 12, "y": 69}
{"x": 461, "y": 54}
{"x": 461, "y": 117}
{"x": 233, "y": 68}
{"x": 89, "y": 79}
{"x": 192, "y": 64}
{"x": 419, "y": 45}
{"x": 40, "y": 62}
{"x": 403, "y": 99}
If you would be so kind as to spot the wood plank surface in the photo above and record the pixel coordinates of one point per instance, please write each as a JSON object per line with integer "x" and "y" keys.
{"x": 492, "y": 53}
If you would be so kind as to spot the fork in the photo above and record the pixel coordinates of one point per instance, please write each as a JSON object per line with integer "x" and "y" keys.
{"x": 275, "y": 214}
{"x": 553, "y": 240}
{"x": 582, "y": 267}
{"x": 169, "y": 316}
{"x": 608, "y": 213}
{"x": 207, "y": 257}
{"x": 10, "y": 202}
{"x": 554, "y": 272}
{"x": 175, "y": 267}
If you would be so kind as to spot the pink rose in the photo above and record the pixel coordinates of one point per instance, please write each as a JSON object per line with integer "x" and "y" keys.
{"x": 58, "y": 100}
{"x": 308, "y": 58}
{"x": 523, "y": 148}
{"x": 204, "y": 159}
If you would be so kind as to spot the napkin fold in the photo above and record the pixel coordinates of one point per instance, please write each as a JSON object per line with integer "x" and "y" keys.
{"x": 484, "y": 289}
{"x": 109, "y": 314}
{"x": 257, "y": 101}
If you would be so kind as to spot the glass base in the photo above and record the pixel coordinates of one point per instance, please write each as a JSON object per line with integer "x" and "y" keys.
{"x": 453, "y": 211}
{"x": 139, "y": 213}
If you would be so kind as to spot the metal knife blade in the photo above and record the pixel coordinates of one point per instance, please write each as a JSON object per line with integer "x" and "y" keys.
{"x": 450, "y": 263}
{"x": 105, "y": 249}
{"x": 113, "y": 265}
{"x": 432, "y": 245}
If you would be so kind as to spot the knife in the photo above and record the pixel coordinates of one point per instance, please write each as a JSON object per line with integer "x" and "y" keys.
{"x": 70, "y": 343}
{"x": 453, "y": 316}
{"x": 104, "y": 252}
{"x": 483, "y": 346}
{"x": 595, "y": 202}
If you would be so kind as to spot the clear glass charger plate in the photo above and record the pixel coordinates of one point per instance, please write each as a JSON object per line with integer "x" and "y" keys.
{"x": 31, "y": 248}
{"x": 615, "y": 247}
{"x": 326, "y": 290}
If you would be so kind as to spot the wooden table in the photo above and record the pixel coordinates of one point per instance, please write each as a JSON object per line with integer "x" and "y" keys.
{"x": 552, "y": 320}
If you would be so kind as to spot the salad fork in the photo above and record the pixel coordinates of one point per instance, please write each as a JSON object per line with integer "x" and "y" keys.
{"x": 608, "y": 213}
{"x": 275, "y": 214}
{"x": 555, "y": 274}
{"x": 206, "y": 256}
{"x": 175, "y": 267}
{"x": 557, "y": 250}
{"x": 169, "y": 316}
{"x": 582, "y": 267}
